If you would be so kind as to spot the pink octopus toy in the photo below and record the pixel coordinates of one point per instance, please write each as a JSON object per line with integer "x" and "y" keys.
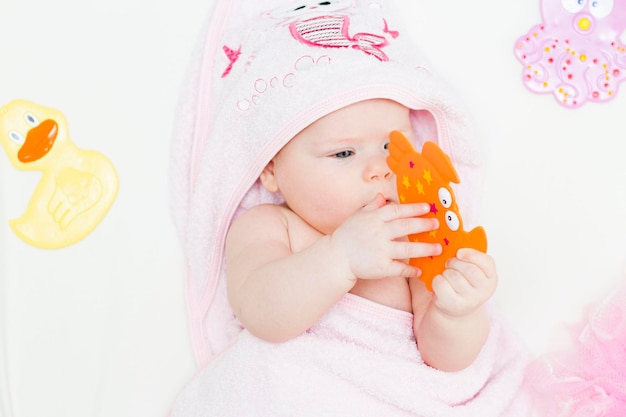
{"x": 576, "y": 53}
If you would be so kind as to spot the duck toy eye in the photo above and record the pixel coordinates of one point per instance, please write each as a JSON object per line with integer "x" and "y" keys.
{"x": 16, "y": 137}
{"x": 31, "y": 120}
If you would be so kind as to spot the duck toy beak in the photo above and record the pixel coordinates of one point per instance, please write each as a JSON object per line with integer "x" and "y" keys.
{"x": 39, "y": 141}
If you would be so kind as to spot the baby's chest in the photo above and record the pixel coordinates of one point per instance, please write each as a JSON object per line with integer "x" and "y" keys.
{"x": 391, "y": 292}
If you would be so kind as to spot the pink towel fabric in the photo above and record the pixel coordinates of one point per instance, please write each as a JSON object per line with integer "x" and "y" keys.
{"x": 358, "y": 360}
{"x": 263, "y": 71}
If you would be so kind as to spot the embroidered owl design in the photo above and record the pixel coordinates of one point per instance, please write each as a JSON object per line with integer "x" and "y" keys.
{"x": 325, "y": 24}
{"x": 308, "y": 8}
{"x": 575, "y": 53}
{"x": 426, "y": 177}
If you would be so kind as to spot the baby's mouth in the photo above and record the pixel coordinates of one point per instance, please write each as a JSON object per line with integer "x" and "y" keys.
{"x": 390, "y": 200}
{"x": 387, "y": 200}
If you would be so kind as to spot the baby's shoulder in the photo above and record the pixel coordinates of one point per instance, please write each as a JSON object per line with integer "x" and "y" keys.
{"x": 263, "y": 213}
{"x": 261, "y": 220}
{"x": 272, "y": 222}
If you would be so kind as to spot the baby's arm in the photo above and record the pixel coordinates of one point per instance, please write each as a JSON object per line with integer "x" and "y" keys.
{"x": 275, "y": 293}
{"x": 283, "y": 276}
{"x": 452, "y": 324}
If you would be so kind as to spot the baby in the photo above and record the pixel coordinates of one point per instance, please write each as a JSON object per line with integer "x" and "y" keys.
{"x": 300, "y": 295}
{"x": 342, "y": 230}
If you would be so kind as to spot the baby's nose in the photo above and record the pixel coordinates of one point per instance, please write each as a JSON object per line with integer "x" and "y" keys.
{"x": 381, "y": 175}
{"x": 379, "y": 170}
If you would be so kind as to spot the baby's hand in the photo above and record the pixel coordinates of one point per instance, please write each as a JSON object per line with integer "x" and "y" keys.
{"x": 373, "y": 240}
{"x": 468, "y": 281}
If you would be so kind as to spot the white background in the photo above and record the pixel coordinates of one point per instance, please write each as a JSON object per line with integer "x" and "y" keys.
{"x": 99, "y": 328}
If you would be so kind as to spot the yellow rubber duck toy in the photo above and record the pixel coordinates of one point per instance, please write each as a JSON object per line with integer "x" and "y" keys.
{"x": 77, "y": 187}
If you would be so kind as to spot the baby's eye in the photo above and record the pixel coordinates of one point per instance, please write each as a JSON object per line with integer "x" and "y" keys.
{"x": 325, "y": 3}
{"x": 299, "y": 8}
{"x": 386, "y": 146}
{"x": 343, "y": 154}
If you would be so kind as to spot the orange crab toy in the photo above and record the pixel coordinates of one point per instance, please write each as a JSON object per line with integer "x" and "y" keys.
{"x": 426, "y": 177}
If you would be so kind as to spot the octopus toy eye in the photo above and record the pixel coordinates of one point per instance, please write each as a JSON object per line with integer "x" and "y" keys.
{"x": 452, "y": 220}
{"x": 602, "y": 8}
{"x": 573, "y": 6}
{"x": 445, "y": 197}
{"x": 30, "y": 119}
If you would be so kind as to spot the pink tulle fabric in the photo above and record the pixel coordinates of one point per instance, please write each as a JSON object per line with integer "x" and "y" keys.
{"x": 587, "y": 378}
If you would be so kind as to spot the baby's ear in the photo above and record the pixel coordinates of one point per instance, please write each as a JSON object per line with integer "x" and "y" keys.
{"x": 268, "y": 179}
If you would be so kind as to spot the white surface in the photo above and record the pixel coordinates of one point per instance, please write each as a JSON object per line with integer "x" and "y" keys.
{"x": 5, "y": 396}
{"x": 99, "y": 328}
{"x": 555, "y": 185}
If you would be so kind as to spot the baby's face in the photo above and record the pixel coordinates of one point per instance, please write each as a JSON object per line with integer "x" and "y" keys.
{"x": 337, "y": 165}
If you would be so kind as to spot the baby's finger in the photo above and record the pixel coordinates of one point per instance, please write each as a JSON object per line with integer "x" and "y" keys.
{"x": 401, "y": 269}
{"x": 453, "y": 296}
{"x": 414, "y": 225}
{"x": 402, "y": 211}
{"x": 378, "y": 202}
{"x": 470, "y": 272}
{"x": 444, "y": 292}
{"x": 457, "y": 281}
{"x": 481, "y": 260}
{"x": 408, "y": 250}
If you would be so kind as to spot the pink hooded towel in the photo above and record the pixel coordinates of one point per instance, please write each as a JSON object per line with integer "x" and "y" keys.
{"x": 262, "y": 72}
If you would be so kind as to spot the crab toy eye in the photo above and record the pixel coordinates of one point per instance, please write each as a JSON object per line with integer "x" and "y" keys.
{"x": 573, "y": 6}
{"x": 30, "y": 119}
{"x": 445, "y": 197}
{"x": 16, "y": 137}
{"x": 452, "y": 220}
